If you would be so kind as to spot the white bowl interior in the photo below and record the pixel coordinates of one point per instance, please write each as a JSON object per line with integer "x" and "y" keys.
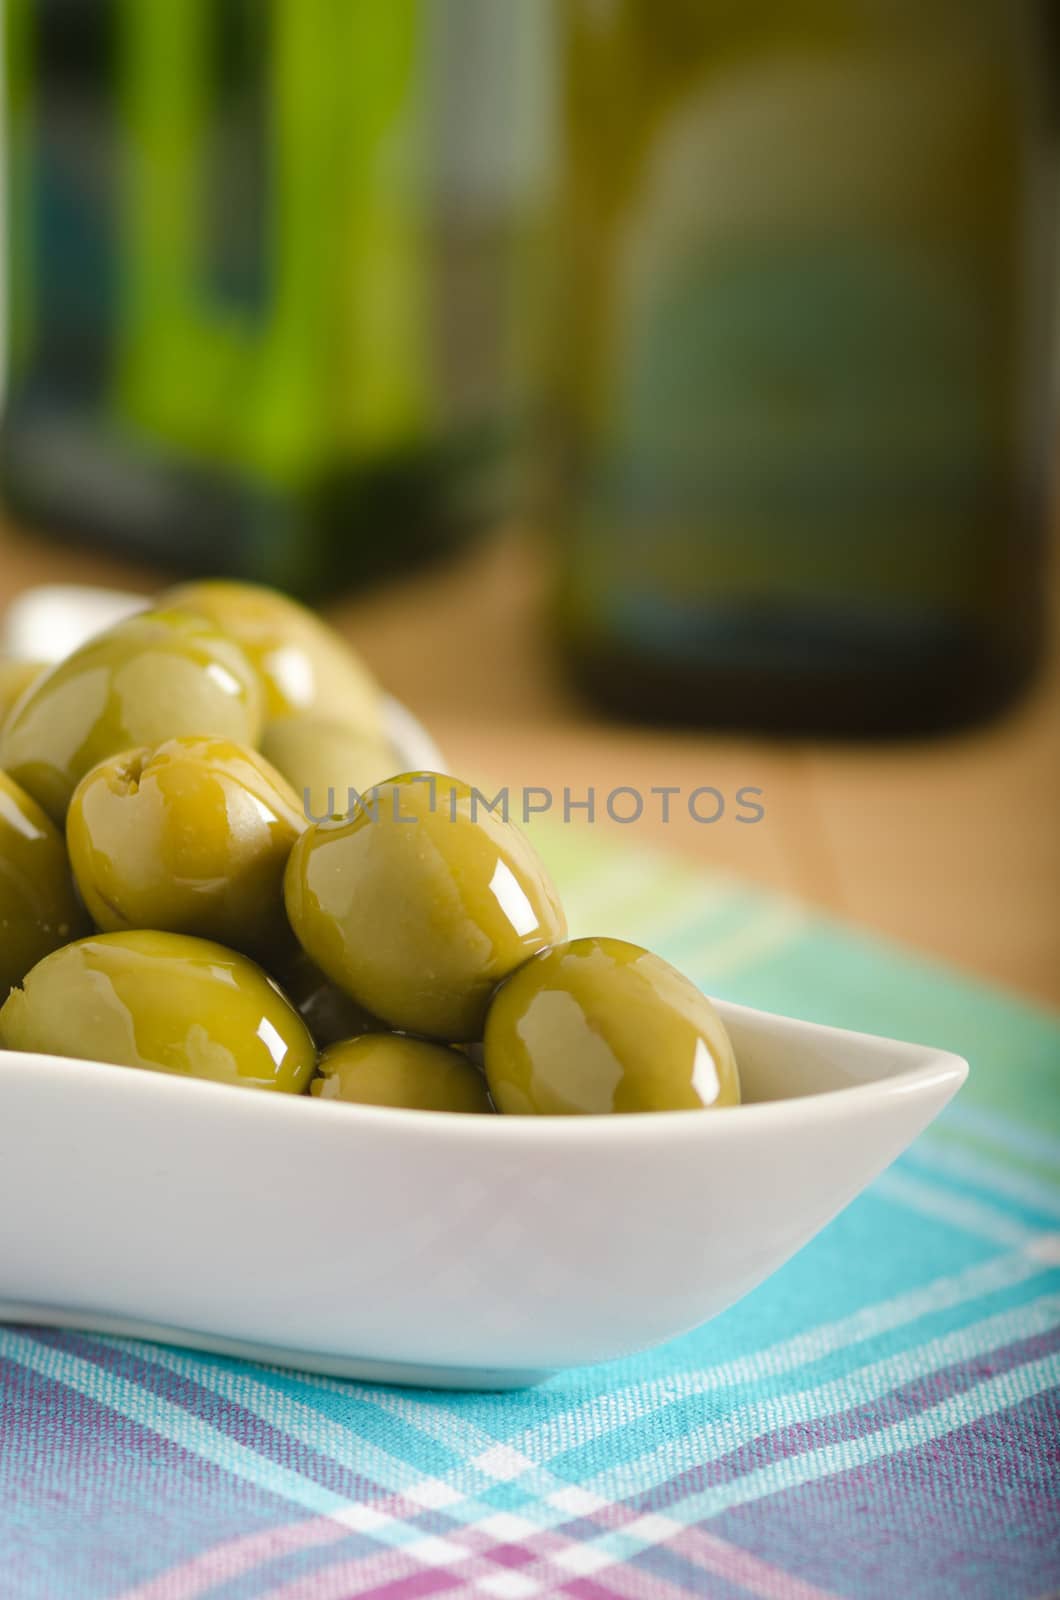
{"x": 786, "y": 1059}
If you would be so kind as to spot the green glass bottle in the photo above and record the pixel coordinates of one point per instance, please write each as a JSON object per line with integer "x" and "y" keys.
{"x": 233, "y": 304}
{"x": 803, "y": 373}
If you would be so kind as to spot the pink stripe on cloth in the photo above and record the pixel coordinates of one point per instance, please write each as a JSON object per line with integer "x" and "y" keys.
{"x": 704, "y": 1551}
{"x": 373, "y": 1576}
{"x": 636, "y": 1583}
{"x": 622, "y": 1583}
{"x": 716, "y": 1555}
{"x": 425, "y": 1581}
{"x": 749, "y": 1571}
{"x": 398, "y": 1573}
{"x": 235, "y": 1557}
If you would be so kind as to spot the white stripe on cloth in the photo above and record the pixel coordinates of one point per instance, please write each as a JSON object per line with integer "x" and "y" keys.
{"x": 559, "y": 1565}
{"x": 996, "y": 1128}
{"x": 714, "y": 1439}
{"x": 384, "y": 1525}
{"x": 936, "y": 1153}
{"x": 600, "y": 1413}
{"x": 961, "y": 1211}
{"x": 168, "y": 1421}
{"x": 986, "y": 1399}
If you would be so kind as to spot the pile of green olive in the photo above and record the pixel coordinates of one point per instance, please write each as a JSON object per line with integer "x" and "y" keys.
{"x": 166, "y": 901}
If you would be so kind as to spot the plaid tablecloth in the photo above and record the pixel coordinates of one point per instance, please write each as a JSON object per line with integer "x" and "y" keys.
{"x": 879, "y": 1419}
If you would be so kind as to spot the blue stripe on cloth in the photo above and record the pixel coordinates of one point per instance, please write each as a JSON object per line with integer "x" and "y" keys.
{"x": 871, "y": 1420}
{"x": 995, "y": 1128}
{"x": 1034, "y": 1203}
{"x": 975, "y": 1520}
{"x": 84, "y": 1494}
{"x": 170, "y": 1422}
{"x": 986, "y": 1399}
{"x": 693, "y": 1439}
{"x": 831, "y": 977}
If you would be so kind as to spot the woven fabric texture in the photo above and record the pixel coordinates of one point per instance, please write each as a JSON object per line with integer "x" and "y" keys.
{"x": 880, "y": 1418}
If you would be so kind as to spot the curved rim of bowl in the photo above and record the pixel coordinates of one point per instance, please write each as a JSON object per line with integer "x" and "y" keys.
{"x": 940, "y": 1069}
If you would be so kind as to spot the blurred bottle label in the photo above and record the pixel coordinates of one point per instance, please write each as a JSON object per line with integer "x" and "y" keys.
{"x": 813, "y": 382}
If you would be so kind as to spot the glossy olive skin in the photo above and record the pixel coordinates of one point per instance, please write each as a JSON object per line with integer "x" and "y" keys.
{"x": 323, "y": 761}
{"x": 305, "y": 666}
{"x": 164, "y": 1002}
{"x": 387, "y": 1069}
{"x": 329, "y": 1014}
{"x": 15, "y": 679}
{"x": 39, "y": 910}
{"x": 154, "y": 676}
{"x": 192, "y": 837}
{"x": 418, "y": 908}
{"x": 599, "y": 1025}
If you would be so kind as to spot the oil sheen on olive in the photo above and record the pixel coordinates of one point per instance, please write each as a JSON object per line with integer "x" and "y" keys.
{"x": 599, "y": 1025}
{"x": 328, "y": 764}
{"x": 192, "y": 837}
{"x": 165, "y": 1002}
{"x": 421, "y": 903}
{"x": 15, "y": 679}
{"x": 38, "y": 907}
{"x": 387, "y": 1069}
{"x": 152, "y": 677}
{"x": 305, "y": 666}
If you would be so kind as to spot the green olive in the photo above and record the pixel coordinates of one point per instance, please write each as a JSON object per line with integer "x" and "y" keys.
{"x": 328, "y": 764}
{"x": 600, "y": 1025}
{"x": 387, "y": 1069}
{"x": 421, "y": 903}
{"x": 192, "y": 837}
{"x": 329, "y": 1014}
{"x": 305, "y": 666}
{"x": 38, "y": 907}
{"x": 154, "y": 676}
{"x": 165, "y": 1002}
{"x": 15, "y": 679}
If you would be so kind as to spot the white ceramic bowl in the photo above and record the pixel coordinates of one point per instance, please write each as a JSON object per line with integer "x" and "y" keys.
{"x": 50, "y": 621}
{"x": 415, "y": 1247}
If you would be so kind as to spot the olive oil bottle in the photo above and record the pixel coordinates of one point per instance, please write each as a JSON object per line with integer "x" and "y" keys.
{"x": 240, "y": 244}
{"x": 804, "y": 362}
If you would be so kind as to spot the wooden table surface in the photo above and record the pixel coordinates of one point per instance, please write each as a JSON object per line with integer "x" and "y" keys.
{"x": 952, "y": 846}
